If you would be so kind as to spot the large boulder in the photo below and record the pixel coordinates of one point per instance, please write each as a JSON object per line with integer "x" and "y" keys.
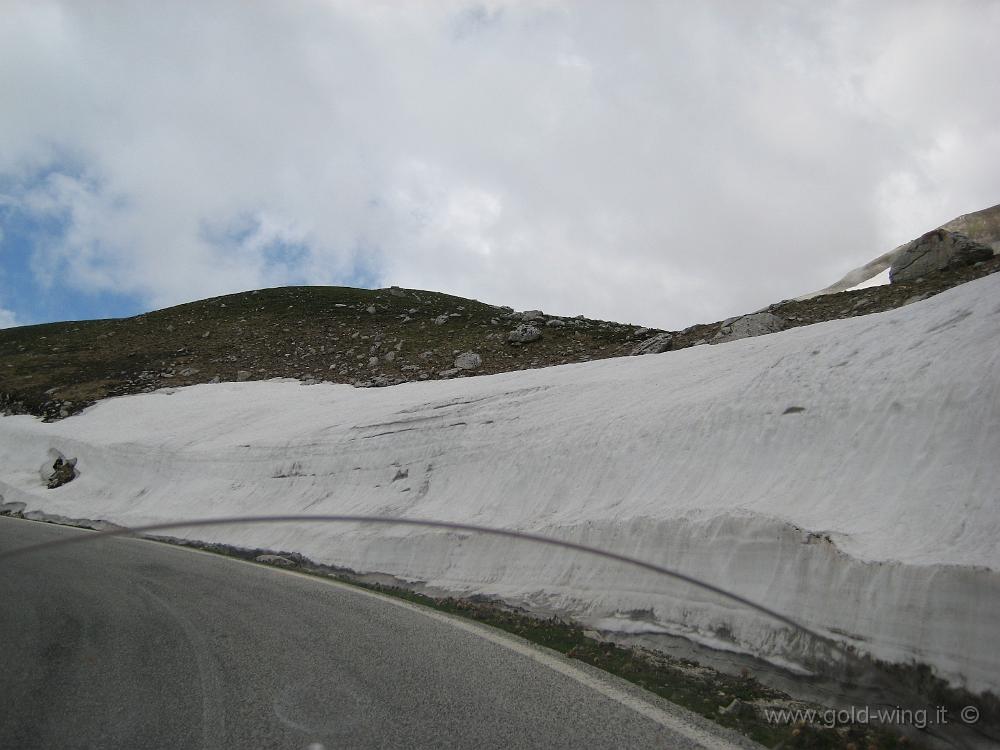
{"x": 523, "y": 334}
{"x": 938, "y": 250}
{"x": 63, "y": 472}
{"x": 745, "y": 326}
{"x": 657, "y": 344}
{"x": 468, "y": 361}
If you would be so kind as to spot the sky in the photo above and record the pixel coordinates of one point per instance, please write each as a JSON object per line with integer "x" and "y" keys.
{"x": 662, "y": 163}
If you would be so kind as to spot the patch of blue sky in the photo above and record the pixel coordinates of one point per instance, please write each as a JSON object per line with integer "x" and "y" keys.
{"x": 363, "y": 274}
{"x": 34, "y": 292}
{"x": 286, "y": 258}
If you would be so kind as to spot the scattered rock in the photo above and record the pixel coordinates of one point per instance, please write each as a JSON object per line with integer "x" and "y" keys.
{"x": 938, "y": 250}
{"x": 449, "y": 373}
{"x": 440, "y": 320}
{"x": 395, "y": 291}
{"x": 529, "y": 315}
{"x": 555, "y": 323}
{"x": 242, "y": 375}
{"x": 281, "y": 562}
{"x": 661, "y": 342}
{"x": 468, "y": 361}
{"x": 370, "y": 309}
{"x": 523, "y": 334}
{"x": 11, "y": 509}
{"x": 63, "y": 472}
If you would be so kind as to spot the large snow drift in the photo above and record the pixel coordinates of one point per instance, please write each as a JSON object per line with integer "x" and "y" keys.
{"x": 870, "y": 511}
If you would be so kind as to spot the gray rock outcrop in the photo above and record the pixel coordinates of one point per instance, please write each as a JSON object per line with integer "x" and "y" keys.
{"x": 980, "y": 226}
{"x": 657, "y": 344}
{"x": 523, "y": 334}
{"x": 938, "y": 250}
{"x": 468, "y": 361}
{"x": 63, "y": 472}
{"x": 745, "y": 326}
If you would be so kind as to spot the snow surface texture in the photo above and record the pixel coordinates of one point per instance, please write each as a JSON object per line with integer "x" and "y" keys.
{"x": 870, "y": 511}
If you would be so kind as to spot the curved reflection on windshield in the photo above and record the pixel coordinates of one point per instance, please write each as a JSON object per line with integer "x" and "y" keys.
{"x": 630, "y": 601}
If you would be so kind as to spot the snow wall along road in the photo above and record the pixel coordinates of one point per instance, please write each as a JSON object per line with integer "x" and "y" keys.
{"x": 845, "y": 474}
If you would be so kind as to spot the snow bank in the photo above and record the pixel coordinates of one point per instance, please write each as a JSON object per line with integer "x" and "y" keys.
{"x": 845, "y": 474}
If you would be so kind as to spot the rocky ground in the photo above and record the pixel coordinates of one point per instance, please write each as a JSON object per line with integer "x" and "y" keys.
{"x": 361, "y": 337}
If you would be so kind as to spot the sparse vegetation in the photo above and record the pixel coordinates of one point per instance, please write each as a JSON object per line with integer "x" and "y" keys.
{"x": 343, "y": 335}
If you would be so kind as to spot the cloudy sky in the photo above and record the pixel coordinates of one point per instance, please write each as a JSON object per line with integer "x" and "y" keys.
{"x": 662, "y": 163}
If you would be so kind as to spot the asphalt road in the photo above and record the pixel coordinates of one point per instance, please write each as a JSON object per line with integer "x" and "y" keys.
{"x": 123, "y": 643}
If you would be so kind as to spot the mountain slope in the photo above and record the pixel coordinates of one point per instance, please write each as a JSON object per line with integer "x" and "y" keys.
{"x": 325, "y": 333}
{"x": 343, "y": 335}
{"x": 844, "y": 474}
{"x": 982, "y": 226}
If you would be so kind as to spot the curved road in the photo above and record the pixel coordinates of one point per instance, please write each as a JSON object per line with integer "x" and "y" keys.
{"x": 130, "y": 643}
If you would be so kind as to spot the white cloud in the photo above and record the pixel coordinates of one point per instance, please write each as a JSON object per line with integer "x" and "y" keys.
{"x": 665, "y": 163}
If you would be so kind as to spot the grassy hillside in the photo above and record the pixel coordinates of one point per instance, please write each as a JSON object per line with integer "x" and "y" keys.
{"x": 322, "y": 333}
{"x": 342, "y": 335}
